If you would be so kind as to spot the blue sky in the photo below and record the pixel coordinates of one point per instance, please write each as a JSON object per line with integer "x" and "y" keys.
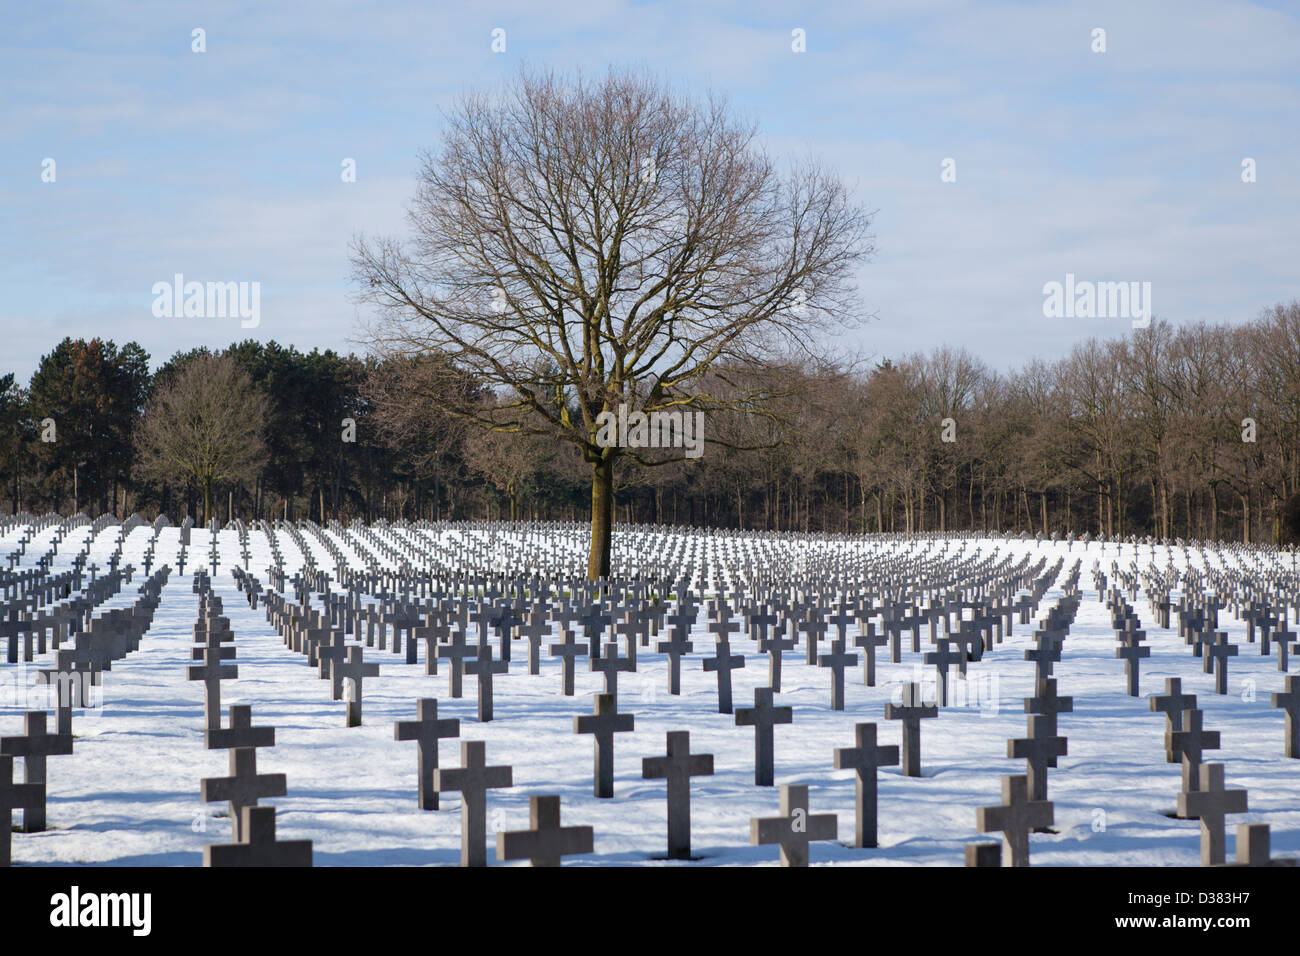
{"x": 224, "y": 165}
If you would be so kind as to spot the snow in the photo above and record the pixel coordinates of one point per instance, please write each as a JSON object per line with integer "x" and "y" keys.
{"x": 129, "y": 794}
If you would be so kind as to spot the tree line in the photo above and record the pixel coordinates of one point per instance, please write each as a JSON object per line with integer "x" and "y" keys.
{"x": 1190, "y": 431}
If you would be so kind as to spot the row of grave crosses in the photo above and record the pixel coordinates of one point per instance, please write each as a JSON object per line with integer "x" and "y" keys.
{"x": 447, "y": 619}
{"x": 1025, "y": 799}
{"x": 814, "y": 626}
{"x": 109, "y": 637}
{"x": 1198, "y": 626}
{"x": 794, "y": 829}
{"x": 254, "y": 841}
{"x": 1025, "y": 806}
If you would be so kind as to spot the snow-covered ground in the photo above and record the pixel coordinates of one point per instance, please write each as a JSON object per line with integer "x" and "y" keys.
{"x": 129, "y": 794}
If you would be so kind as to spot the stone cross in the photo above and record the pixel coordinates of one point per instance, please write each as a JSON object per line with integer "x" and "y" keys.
{"x": 629, "y": 628}
{"x": 941, "y": 658}
{"x": 1219, "y": 652}
{"x": 841, "y": 621}
{"x": 505, "y": 622}
{"x": 1044, "y": 655}
{"x": 431, "y": 634}
{"x": 240, "y": 733}
{"x": 675, "y": 647}
{"x": 724, "y": 626}
{"x": 309, "y": 641}
{"x": 1132, "y": 650}
{"x": 353, "y": 671}
{"x": 333, "y": 649}
{"x": 594, "y": 622}
{"x": 762, "y": 621}
{"x": 911, "y": 712}
{"x": 212, "y": 672}
{"x": 456, "y": 652}
{"x": 865, "y": 759}
{"x": 14, "y": 796}
{"x": 1037, "y": 750}
{"x": 35, "y": 746}
{"x": 568, "y": 651}
{"x": 426, "y": 731}
{"x": 1049, "y": 706}
{"x": 677, "y": 768}
{"x": 1015, "y": 818}
{"x": 1211, "y": 804}
{"x": 1280, "y": 634}
{"x": 774, "y": 644}
{"x": 261, "y": 848}
{"x": 838, "y": 661}
{"x": 473, "y": 780}
{"x": 724, "y": 663}
{"x": 610, "y": 663}
{"x": 484, "y": 667}
{"x": 1283, "y": 638}
{"x": 72, "y": 683}
{"x": 546, "y": 842}
{"x": 1172, "y": 704}
{"x": 814, "y": 627}
{"x": 11, "y": 628}
{"x": 244, "y": 787}
{"x": 603, "y": 724}
{"x": 795, "y": 828}
{"x": 764, "y": 717}
{"x": 1189, "y": 745}
{"x": 1289, "y": 701}
{"x": 869, "y": 640}
{"x": 536, "y": 628}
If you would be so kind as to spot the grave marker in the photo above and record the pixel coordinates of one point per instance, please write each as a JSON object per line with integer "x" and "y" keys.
{"x": 795, "y": 828}
{"x": 261, "y": 848}
{"x": 865, "y": 759}
{"x": 603, "y": 724}
{"x": 764, "y": 717}
{"x": 546, "y": 841}
{"x": 911, "y": 712}
{"x": 473, "y": 779}
{"x": 1015, "y": 818}
{"x": 426, "y": 730}
{"x": 1210, "y": 805}
{"x": 677, "y": 768}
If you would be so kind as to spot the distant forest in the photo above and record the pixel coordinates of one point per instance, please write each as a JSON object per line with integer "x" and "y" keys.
{"x": 1178, "y": 432}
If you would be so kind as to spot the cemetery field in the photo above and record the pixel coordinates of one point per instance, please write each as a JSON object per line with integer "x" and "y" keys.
{"x": 130, "y": 792}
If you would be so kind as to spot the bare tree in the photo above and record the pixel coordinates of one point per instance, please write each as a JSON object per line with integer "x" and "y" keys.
{"x": 1149, "y": 382}
{"x": 407, "y": 398}
{"x": 947, "y": 381}
{"x": 204, "y": 427}
{"x": 581, "y": 244}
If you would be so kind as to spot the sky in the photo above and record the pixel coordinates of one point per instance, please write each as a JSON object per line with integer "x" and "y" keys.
{"x": 225, "y": 165}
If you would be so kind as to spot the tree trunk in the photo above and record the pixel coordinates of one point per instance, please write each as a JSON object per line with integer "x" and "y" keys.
{"x": 1164, "y": 509}
{"x": 602, "y": 515}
